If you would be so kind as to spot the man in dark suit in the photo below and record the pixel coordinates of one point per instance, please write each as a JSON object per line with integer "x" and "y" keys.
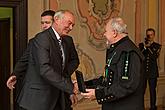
{"x": 48, "y": 75}
{"x": 47, "y": 19}
{"x": 151, "y": 51}
{"x": 46, "y": 22}
{"x": 121, "y": 87}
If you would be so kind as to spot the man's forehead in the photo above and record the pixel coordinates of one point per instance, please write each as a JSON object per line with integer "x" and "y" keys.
{"x": 46, "y": 17}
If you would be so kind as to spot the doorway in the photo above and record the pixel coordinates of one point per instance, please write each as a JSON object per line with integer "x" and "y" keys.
{"x": 4, "y": 62}
{"x": 11, "y": 49}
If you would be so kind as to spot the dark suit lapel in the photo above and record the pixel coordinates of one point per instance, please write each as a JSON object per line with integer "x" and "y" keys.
{"x": 65, "y": 47}
{"x": 55, "y": 44}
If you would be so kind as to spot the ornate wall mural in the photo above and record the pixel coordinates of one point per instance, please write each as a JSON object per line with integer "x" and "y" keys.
{"x": 94, "y": 15}
{"x": 87, "y": 65}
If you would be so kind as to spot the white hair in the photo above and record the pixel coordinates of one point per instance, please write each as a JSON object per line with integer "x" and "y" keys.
{"x": 118, "y": 24}
{"x": 59, "y": 14}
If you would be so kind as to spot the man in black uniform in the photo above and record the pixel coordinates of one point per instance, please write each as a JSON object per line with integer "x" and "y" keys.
{"x": 122, "y": 86}
{"x": 151, "y": 50}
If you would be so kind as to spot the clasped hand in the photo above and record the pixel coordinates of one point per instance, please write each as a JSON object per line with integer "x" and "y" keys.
{"x": 90, "y": 94}
{"x": 11, "y": 82}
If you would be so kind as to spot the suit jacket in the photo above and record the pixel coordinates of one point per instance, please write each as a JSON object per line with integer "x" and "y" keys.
{"x": 45, "y": 80}
{"x": 151, "y": 54}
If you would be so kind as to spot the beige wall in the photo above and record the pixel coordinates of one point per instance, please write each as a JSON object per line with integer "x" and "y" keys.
{"x": 35, "y": 8}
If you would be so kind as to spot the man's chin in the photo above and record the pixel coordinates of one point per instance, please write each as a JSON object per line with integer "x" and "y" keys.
{"x": 63, "y": 35}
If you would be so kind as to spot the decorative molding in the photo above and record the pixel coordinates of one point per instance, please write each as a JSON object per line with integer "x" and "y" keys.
{"x": 87, "y": 65}
{"x": 95, "y": 18}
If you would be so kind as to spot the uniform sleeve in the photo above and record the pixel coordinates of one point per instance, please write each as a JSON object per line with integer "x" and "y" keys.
{"x": 125, "y": 82}
{"x": 154, "y": 50}
{"x": 141, "y": 47}
{"x": 49, "y": 73}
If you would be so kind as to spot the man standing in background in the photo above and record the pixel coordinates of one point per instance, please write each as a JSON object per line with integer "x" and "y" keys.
{"x": 151, "y": 51}
{"x": 47, "y": 19}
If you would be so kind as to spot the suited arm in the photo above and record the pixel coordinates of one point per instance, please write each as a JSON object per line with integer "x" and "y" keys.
{"x": 22, "y": 64}
{"x": 52, "y": 75}
{"x": 73, "y": 58}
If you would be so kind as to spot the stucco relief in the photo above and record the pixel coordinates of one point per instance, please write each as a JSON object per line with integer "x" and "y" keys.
{"x": 94, "y": 14}
{"x": 86, "y": 65}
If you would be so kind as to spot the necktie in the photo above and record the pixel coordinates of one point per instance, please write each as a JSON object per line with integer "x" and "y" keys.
{"x": 62, "y": 52}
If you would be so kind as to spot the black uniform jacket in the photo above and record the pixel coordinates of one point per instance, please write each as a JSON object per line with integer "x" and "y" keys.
{"x": 122, "y": 86}
{"x": 151, "y": 55}
{"x": 45, "y": 80}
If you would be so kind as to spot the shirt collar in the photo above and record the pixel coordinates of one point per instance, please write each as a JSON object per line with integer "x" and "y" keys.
{"x": 120, "y": 41}
{"x": 113, "y": 46}
{"x": 57, "y": 35}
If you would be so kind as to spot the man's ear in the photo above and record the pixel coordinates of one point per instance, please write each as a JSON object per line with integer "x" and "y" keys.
{"x": 115, "y": 33}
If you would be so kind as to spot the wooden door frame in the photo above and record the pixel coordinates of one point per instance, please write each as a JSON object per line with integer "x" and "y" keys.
{"x": 4, "y": 62}
{"x": 19, "y": 25}
{"x": 19, "y": 28}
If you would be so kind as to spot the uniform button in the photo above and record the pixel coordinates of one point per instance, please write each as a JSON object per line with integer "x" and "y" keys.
{"x": 110, "y": 79}
{"x": 102, "y": 99}
{"x": 110, "y": 83}
{"x": 111, "y": 96}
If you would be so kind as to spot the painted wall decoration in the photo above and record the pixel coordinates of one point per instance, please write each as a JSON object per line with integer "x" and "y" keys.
{"x": 95, "y": 14}
{"x": 86, "y": 66}
{"x": 91, "y": 15}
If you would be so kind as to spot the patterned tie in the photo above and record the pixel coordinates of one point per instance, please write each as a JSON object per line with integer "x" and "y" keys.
{"x": 62, "y": 52}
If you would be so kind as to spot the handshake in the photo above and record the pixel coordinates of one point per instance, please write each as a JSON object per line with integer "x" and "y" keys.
{"x": 90, "y": 84}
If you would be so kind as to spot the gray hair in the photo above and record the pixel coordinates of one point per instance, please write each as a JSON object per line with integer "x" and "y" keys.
{"x": 118, "y": 24}
{"x": 60, "y": 13}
